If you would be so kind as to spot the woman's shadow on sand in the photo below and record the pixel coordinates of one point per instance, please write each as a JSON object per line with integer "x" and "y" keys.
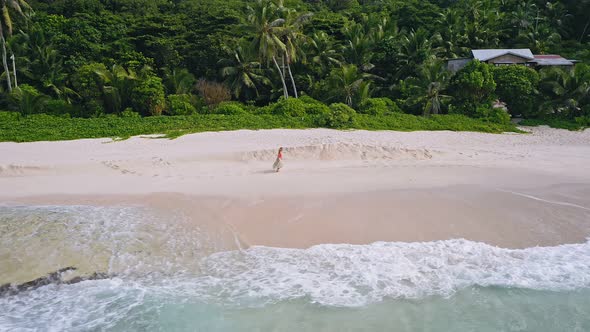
{"x": 267, "y": 171}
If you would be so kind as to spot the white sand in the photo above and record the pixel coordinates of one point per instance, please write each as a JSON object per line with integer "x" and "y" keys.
{"x": 511, "y": 189}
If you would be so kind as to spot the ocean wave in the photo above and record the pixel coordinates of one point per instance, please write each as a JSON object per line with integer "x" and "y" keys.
{"x": 331, "y": 276}
{"x": 355, "y": 275}
{"x": 132, "y": 243}
{"x": 155, "y": 263}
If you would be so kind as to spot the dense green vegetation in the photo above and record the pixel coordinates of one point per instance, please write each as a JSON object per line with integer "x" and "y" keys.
{"x": 126, "y": 67}
{"x": 292, "y": 113}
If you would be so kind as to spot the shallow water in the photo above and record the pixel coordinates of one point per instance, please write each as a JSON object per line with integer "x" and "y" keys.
{"x": 165, "y": 276}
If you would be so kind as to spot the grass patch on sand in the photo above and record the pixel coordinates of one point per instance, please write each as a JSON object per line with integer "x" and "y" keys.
{"x": 578, "y": 123}
{"x": 41, "y": 127}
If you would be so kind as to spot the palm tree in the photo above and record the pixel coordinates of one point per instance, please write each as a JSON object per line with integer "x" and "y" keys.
{"x": 277, "y": 31}
{"x": 523, "y": 18}
{"x": 54, "y": 78}
{"x": 43, "y": 63}
{"x": 322, "y": 51}
{"x": 558, "y": 17}
{"x": 264, "y": 19}
{"x": 350, "y": 84}
{"x": 426, "y": 88}
{"x": 582, "y": 6}
{"x": 242, "y": 74}
{"x": 6, "y": 29}
{"x": 415, "y": 48}
{"x": 381, "y": 28}
{"x": 117, "y": 85}
{"x": 291, "y": 33}
{"x": 179, "y": 81}
{"x": 359, "y": 46}
{"x": 481, "y": 24}
{"x": 567, "y": 89}
{"x": 453, "y": 40}
{"x": 539, "y": 41}
{"x": 27, "y": 100}
{"x": 363, "y": 37}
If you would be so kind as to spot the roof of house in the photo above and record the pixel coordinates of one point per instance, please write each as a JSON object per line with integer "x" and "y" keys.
{"x": 485, "y": 55}
{"x": 551, "y": 60}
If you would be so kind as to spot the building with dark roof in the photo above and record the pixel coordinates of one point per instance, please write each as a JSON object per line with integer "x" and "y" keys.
{"x": 501, "y": 57}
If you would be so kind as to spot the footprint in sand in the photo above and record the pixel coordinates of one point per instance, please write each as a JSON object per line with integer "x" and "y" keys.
{"x": 157, "y": 161}
{"x": 112, "y": 165}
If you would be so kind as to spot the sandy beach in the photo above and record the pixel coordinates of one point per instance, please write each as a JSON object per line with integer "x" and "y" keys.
{"x": 481, "y": 229}
{"x": 510, "y": 190}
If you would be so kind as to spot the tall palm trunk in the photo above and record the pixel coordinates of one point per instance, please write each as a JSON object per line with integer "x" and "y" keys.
{"x": 349, "y": 97}
{"x": 14, "y": 70}
{"x": 5, "y": 63}
{"x": 584, "y": 31}
{"x": 285, "y": 92}
{"x": 291, "y": 77}
{"x": 283, "y": 67}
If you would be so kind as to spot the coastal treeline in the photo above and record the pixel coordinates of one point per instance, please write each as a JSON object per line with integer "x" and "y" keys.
{"x": 333, "y": 61}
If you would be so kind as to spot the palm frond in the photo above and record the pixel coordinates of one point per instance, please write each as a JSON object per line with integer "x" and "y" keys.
{"x": 7, "y": 21}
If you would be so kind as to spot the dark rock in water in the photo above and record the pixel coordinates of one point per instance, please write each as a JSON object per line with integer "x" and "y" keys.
{"x": 52, "y": 278}
{"x": 94, "y": 276}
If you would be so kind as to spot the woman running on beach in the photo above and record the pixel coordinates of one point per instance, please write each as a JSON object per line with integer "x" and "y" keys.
{"x": 279, "y": 162}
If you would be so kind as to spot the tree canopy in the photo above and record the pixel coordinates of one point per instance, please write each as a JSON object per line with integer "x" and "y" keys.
{"x": 97, "y": 57}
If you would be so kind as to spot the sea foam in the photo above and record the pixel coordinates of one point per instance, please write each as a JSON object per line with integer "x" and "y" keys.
{"x": 355, "y": 275}
{"x": 158, "y": 256}
{"x": 331, "y": 275}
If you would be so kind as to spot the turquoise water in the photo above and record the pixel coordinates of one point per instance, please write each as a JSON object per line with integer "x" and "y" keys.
{"x": 168, "y": 278}
{"x": 115, "y": 306}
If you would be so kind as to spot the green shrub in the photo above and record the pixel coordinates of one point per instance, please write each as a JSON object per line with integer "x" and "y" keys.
{"x": 289, "y": 107}
{"x": 92, "y": 109}
{"x": 478, "y": 111}
{"x": 378, "y": 106}
{"x": 42, "y": 127}
{"x": 464, "y": 108}
{"x": 148, "y": 96}
{"x": 180, "y": 105}
{"x": 583, "y": 121}
{"x": 87, "y": 84}
{"x": 340, "y": 116}
{"x": 229, "y": 108}
{"x": 517, "y": 87}
{"x": 264, "y": 110}
{"x": 495, "y": 115}
{"x": 557, "y": 121}
{"x": 314, "y": 107}
{"x": 409, "y": 122}
{"x": 471, "y": 87}
{"x": 86, "y": 81}
{"x": 298, "y": 107}
{"x": 6, "y": 117}
{"x": 129, "y": 113}
{"x": 60, "y": 107}
{"x": 27, "y": 99}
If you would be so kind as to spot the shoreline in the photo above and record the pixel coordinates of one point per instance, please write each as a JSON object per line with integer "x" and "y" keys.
{"x": 513, "y": 191}
{"x": 185, "y": 229}
{"x": 512, "y": 219}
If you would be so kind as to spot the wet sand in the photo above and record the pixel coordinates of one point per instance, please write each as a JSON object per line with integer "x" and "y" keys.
{"x": 508, "y": 218}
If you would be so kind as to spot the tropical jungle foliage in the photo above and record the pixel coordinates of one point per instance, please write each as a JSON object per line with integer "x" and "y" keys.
{"x": 349, "y": 59}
